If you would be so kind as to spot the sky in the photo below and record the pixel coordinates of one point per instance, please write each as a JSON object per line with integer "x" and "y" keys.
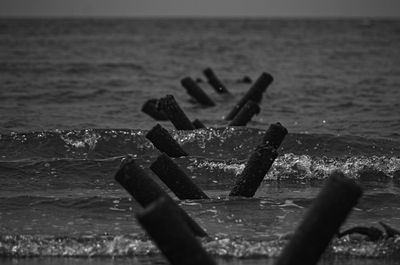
{"x": 201, "y": 8}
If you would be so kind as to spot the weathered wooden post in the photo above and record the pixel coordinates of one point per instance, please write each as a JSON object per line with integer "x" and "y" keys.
{"x": 245, "y": 114}
{"x": 215, "y": 82}
{"x": 145, "y": 190}
{"x": 164, "y": 142}
{"x": 322, "y": 221}
{"x": 175, "y": 114}
{"x": 196, "y": 92}
{"x": 255, "y": 94}
{"x": 172, "y": 235}
{"x": 150, "y": 108}
{"x": 175, "y": 179}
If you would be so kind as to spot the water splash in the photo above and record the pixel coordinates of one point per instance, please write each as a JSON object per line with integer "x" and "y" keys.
{"x": 87, "y": 246}
{"x": 220, "y": 245}
{"x": 289, "y": 166}
{"x": 81, "y": 139}
{"x": 301, "y": 167}
{"x": 214, "y": 136}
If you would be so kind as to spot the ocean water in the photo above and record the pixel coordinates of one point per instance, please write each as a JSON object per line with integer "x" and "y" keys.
{"x": 71, "y": 91}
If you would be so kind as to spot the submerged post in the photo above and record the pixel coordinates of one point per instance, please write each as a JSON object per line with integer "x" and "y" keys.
{"x": 255, "y": 94}
{"x": 245, "y": 114}
{"x": 322, "y": 221}
{"x": 145, "y": 190}
{"x": 198, "y": 124}
{"x": 172, "y": 235}
{"x": 214, "y": 81}
{"x": 196, "y": 92}
{"x": 259, "y": 162}
{"x": 150, "y": 108}
{"x": 164, "y": 142}
{"x": 175, "y": 179}
{"x": 174, "y": 113}
{"x": 255, "y": 170}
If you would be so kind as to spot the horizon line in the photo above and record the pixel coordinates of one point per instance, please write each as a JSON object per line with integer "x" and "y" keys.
{"x": 199, "y": 17}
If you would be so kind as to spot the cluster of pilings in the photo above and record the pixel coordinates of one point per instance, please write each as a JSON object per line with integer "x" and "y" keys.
{"x": 175, "y": 232}
{"x": 167, "y": 108}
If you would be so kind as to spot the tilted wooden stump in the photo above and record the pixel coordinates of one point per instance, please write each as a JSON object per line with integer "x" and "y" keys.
{"x": 145, "y": 190}
{"x": 196, "y": 92}
{"x": 164, "y": 142}
{"x": 175, "y": 114}
{"x": 172, "y": 235}
{"x": 322, "y": 221}
{"x": 255, "y": 94}
{"x": 214, "y": 81}
{"x": 180, "y": 184}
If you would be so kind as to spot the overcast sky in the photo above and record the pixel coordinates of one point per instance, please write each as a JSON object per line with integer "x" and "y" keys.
{"x": 263, "y": 8}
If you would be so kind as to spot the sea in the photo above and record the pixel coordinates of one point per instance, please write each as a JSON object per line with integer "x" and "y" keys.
{"x": 71, "y": 92}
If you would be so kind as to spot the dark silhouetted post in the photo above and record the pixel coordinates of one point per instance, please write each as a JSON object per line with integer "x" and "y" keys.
{"x": 150, "y": 108}
{"x": 214, "y": 81}
{"x": 164, "y": 142}
{"x": 172, "y": 235}
{"x": 275, "y": 135}
{"x": 198, "y": 124}
{"x": 245, "y": 114}
{"x": 196, "y": 92}
{"x": 255, "y": 94}
{"x": 245, "y": 80}
{"x": 175, "y": 114}
{"x": 255, "y": 170}
{"x": 173, "y": 176}
{"x": 145, "y": 190}
{"x": 322, "y": 221}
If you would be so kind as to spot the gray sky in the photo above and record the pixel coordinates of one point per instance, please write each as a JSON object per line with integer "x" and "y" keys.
{"x": 263, "y": 8}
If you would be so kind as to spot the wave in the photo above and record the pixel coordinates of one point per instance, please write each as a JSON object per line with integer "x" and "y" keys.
{"x": 217, "y": 154}
{"x": 139, "y": 245}
{"x": 222, "y": 143}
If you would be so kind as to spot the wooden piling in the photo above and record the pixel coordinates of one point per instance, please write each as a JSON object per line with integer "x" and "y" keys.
{"x": 172, "y": 235}
{"x": 214, "y": 81}
{"x": 177, "y": 180}
{"x": 255, "y": 94}
{"x": 322, "y": 221}
{"x": 198, "y": 124}
{"x": 150, "y": 108}
{"x": 145, "y": 190}
{"x": 275, "y": 134}
{"x": 196, "y": 92}
{"x": 255, "y": 170}
{"x": 245, "y": 114}
{"x": 174, "y": 113}
{"x": 164, "y": 142}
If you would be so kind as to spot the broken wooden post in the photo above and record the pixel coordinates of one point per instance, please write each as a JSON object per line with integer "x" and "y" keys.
{"x": 175, "y": 179}
{"x": 255, "y": 94}
{"x": 198, "y": 124}
{"x": 322, "y": 221}
{"x": 275, "y": 134}
{"x": 145, "y": 190}
{"x": 196, "y": 92}
{"x": 255, "y": 170}
{"x": 174, "y": 113}
{"x": 245, "y": 114}
{"x": 164, "y": 142}
{"x": 172, "y": 235}
{"x": 214, "y": 81}
{"x": 150, "y": 108}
